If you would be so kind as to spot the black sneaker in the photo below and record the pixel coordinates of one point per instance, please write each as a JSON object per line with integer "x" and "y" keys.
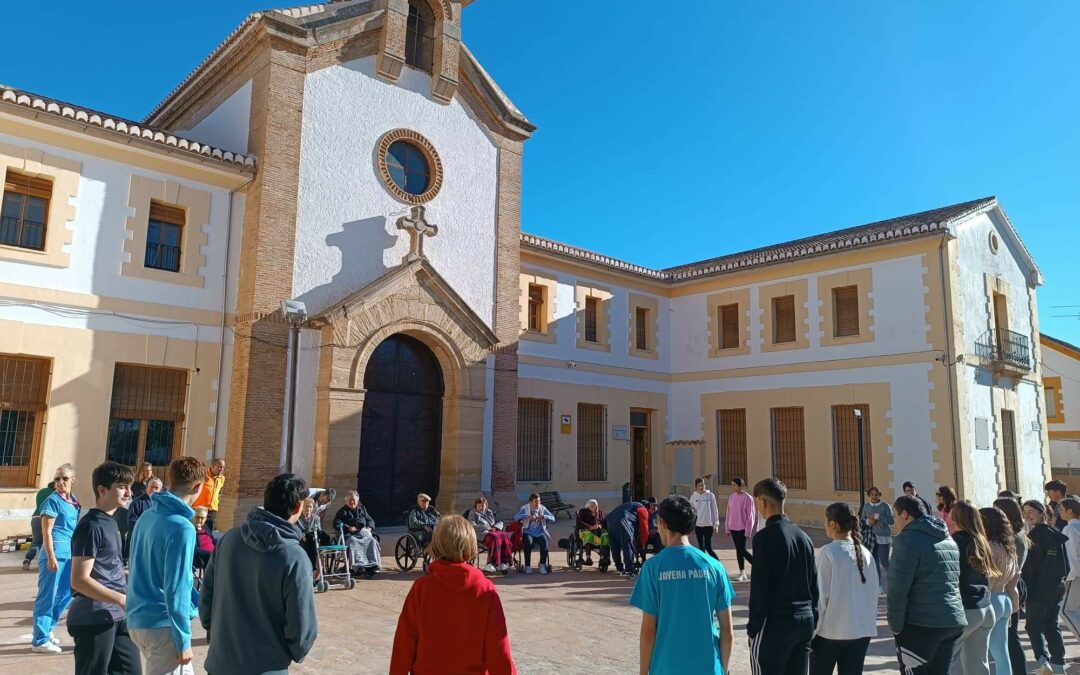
{"x": 588, "y": 562}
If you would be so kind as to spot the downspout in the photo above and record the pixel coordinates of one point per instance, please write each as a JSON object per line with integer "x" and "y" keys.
{"x": 946, "y": 306}
{"x": 224, "y": 308}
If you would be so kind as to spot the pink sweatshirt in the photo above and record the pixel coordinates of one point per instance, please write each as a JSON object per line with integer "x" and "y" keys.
{"x": 741, "y": 514}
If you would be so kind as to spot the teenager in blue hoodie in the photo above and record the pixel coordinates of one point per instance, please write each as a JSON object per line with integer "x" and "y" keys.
{"x": 160, "y": 579}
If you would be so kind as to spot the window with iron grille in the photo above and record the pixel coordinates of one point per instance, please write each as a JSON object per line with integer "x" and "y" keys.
{"x": 164, "y": 236}
{"x": 789, "y": 446}
{"x": 728, "y": 318}
{"x": 24, "y": 388}
{"x": 731, "y": 444}
{"x": 534, "y": 441}
{"x": 25, "y": 211}
{"x": 592, "y": 311}
{"x": 420, "y": 36}
{"x": 846, "y": 311}
{"x": 783, "y": 309}
{"x": 641, "y": 328}
{"x": 591, "y": 442}
{"x": 536, "y": 308}
{"x": 846, "y": 447}
{"x": 1008, "y": 444}
{"x": 146, "y": 420}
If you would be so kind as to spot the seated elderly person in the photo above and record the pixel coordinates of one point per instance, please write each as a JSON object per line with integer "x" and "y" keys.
{"x": 534, "y": 518}
{"x": 590, "y": 527}
{"x": 489, "y": 532}
{"x": 422, "y": 519}
{"x": 310, "y": 529}
{"x": 322, "y": 498}
{"x": 204, "y": 543}
{"x": 358, "y": 527}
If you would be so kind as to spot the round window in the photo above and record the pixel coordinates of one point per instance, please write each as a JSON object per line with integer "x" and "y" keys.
{"x": 409, "y": 165}
{"x": 993, "y": 242}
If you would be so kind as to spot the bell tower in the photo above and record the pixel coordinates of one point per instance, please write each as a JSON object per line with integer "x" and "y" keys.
{"x": 422, "y": 34}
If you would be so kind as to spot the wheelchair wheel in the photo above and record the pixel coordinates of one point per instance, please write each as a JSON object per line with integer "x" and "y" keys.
{"x": 426, "y": 563}
{"x": 349, "y": 584}
{"x": 406, "y": 552}
{"x": 321, "y": 586}
{"x": 573, "y": 548}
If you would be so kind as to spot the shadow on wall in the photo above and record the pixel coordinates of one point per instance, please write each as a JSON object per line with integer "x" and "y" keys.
{"x": 362, "y": 244}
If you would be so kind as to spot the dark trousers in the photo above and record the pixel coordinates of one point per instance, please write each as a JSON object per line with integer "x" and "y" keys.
{"x": 1043, "y": 628}
{"x": 881, "y": 556}
{"x": 621, "y": 541}
{"x": 540, "y": 542}
{"x": 738, "y": 537}
{"x": 845, "y": 656}
{"x": 782, "y": 646}
{"x": 35, "y": 544}
{"x": 105, "y": 649}
{"x": 308, "y": 543}
{"x": 1017, "y": 659}
{"x": 704, "y": 540}
{"x": 926, "y": 651}
{"x": 211, "y": 521}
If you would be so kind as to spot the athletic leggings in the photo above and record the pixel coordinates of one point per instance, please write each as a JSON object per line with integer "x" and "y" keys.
{"x": 738, "y": 537}
{"x": 704, "y": 540}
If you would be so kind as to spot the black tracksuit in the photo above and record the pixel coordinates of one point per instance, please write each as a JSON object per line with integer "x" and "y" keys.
{"x": 783, "y": 599}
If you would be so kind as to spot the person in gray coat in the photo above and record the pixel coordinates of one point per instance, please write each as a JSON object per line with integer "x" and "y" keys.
{"x": 257, "y": 604}
{"x": 880, "y": 517}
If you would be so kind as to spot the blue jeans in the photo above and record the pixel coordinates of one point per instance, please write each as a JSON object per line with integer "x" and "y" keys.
{"x": 999, "y": 634}
{"x": 622, "y": 549}
{"x": 54, "y": 594}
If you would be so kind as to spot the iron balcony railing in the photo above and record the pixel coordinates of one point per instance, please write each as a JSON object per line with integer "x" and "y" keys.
{"x": 1005, "y": 347}
{"x": 22, "y": 233}
{"x": 162, "y": 257}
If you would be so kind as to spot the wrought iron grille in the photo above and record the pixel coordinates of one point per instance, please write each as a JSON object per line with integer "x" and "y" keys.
{"x": 592, "y": 442}
{"x": 24, "y": 388}
{"x": 789, "y": 446}
{"x": 846, "y": 447}
{"x": 1005, "y": 347}
{"x": 146, "y": 422}
{"x": 731, "y": 444}
{"x": 534, "y": 440}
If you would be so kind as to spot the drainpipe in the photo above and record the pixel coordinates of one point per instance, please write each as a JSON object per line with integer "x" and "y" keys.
{"x": 224, "y": 308}
{"x": 946, "y": 314}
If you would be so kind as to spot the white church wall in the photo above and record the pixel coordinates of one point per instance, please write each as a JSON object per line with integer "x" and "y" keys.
{"x": 346, "y": 233}
{"x": 227, "y": 126}
{"x": 1029, "y": 420}
{"x": 307, "y": 367}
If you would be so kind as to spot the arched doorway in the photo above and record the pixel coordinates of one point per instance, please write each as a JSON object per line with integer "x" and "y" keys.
{"x": 401, "y": 428}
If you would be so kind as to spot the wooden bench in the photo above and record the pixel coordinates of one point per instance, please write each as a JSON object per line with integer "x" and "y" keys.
{"x": 554, "y": 503}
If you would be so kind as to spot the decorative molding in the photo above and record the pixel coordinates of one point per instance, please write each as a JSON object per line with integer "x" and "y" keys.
{"x": 425, "y": 146}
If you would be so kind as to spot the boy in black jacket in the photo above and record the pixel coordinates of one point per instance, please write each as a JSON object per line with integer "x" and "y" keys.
{"x": 783, "y": 589}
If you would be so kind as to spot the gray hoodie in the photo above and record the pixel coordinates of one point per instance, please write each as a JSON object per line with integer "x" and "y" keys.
{"x": 262, "y": 617}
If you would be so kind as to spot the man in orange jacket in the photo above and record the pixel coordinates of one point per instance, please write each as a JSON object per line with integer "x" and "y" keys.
{"x": 210, "y": 493}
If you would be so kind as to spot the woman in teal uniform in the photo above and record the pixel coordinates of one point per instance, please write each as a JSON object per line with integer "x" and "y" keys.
{"x": 59, "y": 513}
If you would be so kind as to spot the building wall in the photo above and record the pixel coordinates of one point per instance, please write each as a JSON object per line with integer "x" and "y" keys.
{"x": 346, "y": 233}
{"x": 1061, "y": 378}
{"x": 227, "y": 126}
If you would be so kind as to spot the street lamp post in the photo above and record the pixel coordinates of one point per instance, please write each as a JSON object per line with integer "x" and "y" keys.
{"x": 295, "y": 312}
{"x": 862, "y": 460}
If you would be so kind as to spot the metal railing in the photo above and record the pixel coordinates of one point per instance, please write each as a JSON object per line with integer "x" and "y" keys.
{"x": 1005, "y": 347}
{"x": 22, "y": 233}
{"x": 162, "y": 257}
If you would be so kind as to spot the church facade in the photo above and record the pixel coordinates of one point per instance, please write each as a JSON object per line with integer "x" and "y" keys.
{"x": 353, "y": 156}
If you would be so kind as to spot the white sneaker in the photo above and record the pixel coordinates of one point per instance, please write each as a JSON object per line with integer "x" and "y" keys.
{"x": 545, "y": 569}
{"x": 53, "y": 639}
{"x": 742, "y": 577}
{"x": 1043, "y": 669}
{"x": 489, "y": 568}
{"x": 47, "y": 648}
{"x": 528, "y": 569}
{"x": 503, "y": 567}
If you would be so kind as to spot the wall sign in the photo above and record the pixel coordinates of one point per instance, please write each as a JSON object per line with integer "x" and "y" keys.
{"x": 620, "y": 432}
{"x": 564, "y": 424}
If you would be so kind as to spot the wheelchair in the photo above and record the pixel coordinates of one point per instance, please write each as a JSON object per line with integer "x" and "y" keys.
{"x": 576, "y": 551}
{"x": 408, "y": 551}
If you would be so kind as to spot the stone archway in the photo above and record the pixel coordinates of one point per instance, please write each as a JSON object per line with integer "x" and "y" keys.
{"x": 416, "y": 302}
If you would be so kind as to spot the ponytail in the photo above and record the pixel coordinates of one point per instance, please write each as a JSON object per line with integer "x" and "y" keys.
{"x": 840, "y": 513}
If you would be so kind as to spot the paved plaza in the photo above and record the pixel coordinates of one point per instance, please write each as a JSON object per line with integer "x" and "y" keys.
{"x": 568, "y": 622}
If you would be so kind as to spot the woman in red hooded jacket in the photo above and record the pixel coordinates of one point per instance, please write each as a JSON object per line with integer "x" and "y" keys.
{"x": 452, "y": 621}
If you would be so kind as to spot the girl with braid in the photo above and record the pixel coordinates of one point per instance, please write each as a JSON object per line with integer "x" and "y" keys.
{"x": 847, "y": 604}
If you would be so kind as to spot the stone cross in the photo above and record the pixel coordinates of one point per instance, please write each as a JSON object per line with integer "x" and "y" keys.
{"x": 418, "y": 228}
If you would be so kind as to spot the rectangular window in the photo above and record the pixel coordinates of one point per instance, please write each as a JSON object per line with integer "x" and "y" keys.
{"x": 24, "y": 211}
{"x": 164, "y": 236}
{"x": 592, "y": 311}
{"x": 591, "y": 442}
{"x": 846, "y": 311}
{"x": 846, "y": 448}
{"x": 783, "y": 310}
{"x": 1008, "y": 444}
{"x": 789, "y": 446}
{"x": 536, "y": 308}
{"x": 534, "y": 441}
{"x": 731, "y": 444}
{"x": 728, "y": 319}
{"x": 641, "y": 328}
{"x": 146, "y": 419}
{"x": 1051, "y": 402}
{"x": 24, "y": 388}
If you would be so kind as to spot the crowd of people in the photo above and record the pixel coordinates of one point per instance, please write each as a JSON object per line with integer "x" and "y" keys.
{"x": 956, "y": 577}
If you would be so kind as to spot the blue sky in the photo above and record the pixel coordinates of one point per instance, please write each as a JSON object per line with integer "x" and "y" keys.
{"x": 740, "y": 123}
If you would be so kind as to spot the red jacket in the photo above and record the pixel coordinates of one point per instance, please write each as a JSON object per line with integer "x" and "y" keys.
{"x": 642, "y": 526}
{"x": 452, "y": 622}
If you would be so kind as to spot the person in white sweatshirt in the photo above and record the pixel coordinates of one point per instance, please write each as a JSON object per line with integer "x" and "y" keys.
{"x": 708, "y": 516}
{"x": 848, "y": 597}
{"x": 1069, "y": 510}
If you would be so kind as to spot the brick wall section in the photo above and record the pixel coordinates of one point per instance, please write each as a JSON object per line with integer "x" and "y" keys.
{"x": 507, "y": 327}
{"x": 256, "y": 404}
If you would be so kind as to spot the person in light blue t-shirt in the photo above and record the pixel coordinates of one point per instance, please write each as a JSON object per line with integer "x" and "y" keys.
{"x": 680, "y": 590}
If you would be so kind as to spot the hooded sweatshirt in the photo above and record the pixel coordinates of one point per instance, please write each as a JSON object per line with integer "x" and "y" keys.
{"x": 159, "y": 582}
{"x": 1047, "y": 564}
{"x": 263, "y": 617}
{"x": 475, "y": 642}
{"x": 924, "y": 578}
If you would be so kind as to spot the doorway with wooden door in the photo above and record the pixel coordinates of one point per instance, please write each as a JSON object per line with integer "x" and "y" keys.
{"x": 641, "y": 453}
